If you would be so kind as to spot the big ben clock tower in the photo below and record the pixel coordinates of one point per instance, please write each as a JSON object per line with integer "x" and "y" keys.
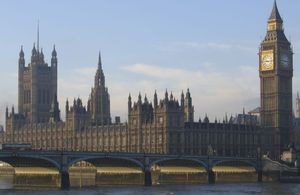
{"x": 276, "y": 72}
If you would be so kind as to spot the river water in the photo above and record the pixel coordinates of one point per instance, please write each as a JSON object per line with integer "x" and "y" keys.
{"x": 206, "y": 189}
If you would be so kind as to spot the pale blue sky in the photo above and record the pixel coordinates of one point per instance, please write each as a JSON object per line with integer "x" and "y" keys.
{"x": 209, "y": 46}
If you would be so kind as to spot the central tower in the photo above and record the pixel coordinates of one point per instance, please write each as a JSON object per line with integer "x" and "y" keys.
{"x": 276, "y": 72}
{"x": 99, "y": 101}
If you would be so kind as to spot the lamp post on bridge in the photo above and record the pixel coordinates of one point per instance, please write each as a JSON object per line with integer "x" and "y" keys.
{"x": 210, "y": 173}
{"x": 259, "y": 165}
{"x": 147, "y": 171}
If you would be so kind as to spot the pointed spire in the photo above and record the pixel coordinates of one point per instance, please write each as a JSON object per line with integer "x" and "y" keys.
{"x": 38, "y": 35}
{"x": 6, "y": 112}
{"x": 146, "y": 99}
{"x": 182, "y": 99}
{"x": 275, "y": 13}
{"x": 54, "y": 110}
{"x": 297, "y": 94}
{"x": 33, "y": 49}
{"x": 42, "y": 54}
{"x": 171, "y": 96}
{"x": 21, "y": 52}
{"x": 54, "y": 54}
{"x": 140, "y": 98}
{"x": 67, "y": 105}
{"x": 155, "y": 99}
{"x": 166, "y": 95}
{"x": 206, "y": 120}
{"x": 129, "y": 102}
{"x": 99, "y": 61}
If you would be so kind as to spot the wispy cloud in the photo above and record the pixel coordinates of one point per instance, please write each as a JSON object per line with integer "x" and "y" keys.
{"x": 213, "y": 92}
{"x": 179, "y": 46}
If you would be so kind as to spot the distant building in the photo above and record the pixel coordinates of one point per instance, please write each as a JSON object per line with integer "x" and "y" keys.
{"x": 295, "y": 133}
{"x": 247, "y": 119}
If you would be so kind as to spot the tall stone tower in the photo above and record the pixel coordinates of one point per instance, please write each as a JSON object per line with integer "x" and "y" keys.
{"x": 188, "y": 107}
{"x": 37, "y": 86}
{"x": 276, "y": 72}
{"x": 99, "y": 101}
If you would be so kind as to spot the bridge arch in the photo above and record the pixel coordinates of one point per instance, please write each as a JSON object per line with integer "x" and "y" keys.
{"x": 200, "y": 162}
{"x": 90, "y": 159}
{"x": 242, "y": 161}
{"x": 15, "y": 160}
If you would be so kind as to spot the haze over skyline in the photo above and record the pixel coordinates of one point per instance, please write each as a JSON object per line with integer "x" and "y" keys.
{"x": 209, "y": 46}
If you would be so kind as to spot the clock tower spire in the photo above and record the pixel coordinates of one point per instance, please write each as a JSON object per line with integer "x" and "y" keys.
{"x": 276, "y": 72}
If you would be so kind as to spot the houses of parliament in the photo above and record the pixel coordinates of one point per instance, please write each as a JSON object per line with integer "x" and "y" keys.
{"x": 162, "y": 125}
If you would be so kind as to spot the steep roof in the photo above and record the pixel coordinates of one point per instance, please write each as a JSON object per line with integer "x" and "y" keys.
{"x": 275, "y": 13}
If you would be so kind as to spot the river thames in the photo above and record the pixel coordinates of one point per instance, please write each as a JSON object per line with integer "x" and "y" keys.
{"x": 237, "y": 188}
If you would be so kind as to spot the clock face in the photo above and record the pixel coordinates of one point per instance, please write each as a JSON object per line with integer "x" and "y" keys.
{"x": 267, "y": 60}
{"x": 284, "y": 60}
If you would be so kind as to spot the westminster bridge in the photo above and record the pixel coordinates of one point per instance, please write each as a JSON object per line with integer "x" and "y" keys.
{"x": 63, "y": 160}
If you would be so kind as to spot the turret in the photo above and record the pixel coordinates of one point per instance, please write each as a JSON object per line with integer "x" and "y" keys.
{"x": 155, "y": 101}
{"x": 166, "y": 96}
{"x": 140, "y": 99}
{"x": 188, "y": 98}
{"x": 182, "y": 99}
{"x": 21, "y": 59}
{"x": 171, "y": 96}
{"x": 206, "y": 120}
{"x": 146, "y": 99}
{"x": 41, "y": 57}
{"x": 6, "y": 112}
{"x": 67, "y": 106}
{"x": 129, "y": 103}
{"x": 54, "y": 57}
{"x": 33, "y": 55}
{"x": 188, "y": 108}
{"x": 54, "y": 110}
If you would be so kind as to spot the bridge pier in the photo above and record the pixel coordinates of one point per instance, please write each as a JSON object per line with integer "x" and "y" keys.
{"x": 259, "y": 175}
{"x": 211, "y": 176}
{"x": 64, "y": 180}
{"x": 147, "y": 177}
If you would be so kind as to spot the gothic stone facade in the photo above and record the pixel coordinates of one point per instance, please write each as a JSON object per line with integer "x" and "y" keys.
{"x": 166, "y": 126}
